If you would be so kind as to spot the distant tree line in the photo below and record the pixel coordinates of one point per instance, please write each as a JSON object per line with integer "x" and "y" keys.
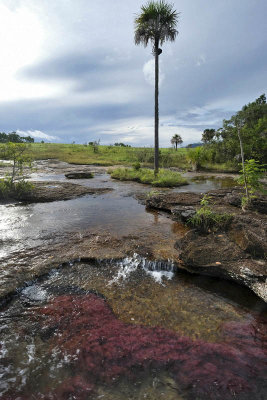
{"x": 121, "y": 145}
{"x": 248, "y": 126}
{"x": 13, "y": 137}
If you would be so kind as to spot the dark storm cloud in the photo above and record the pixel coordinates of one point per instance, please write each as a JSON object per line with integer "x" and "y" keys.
{"x": 99, "y": 68}
{"x": 76, "y": 64}
{"x": 65, "y": 66}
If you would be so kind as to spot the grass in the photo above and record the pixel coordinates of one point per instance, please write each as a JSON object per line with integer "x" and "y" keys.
{"x": 107, "y": 155}
{"x": 222, "y": 167}
{"x": 206, "y": 220}
{"x": 116, "y": 155}
{"x": 165, "y": 178}
{"x": 209, "y": 221}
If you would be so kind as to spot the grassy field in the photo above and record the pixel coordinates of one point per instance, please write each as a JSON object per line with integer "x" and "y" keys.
{"x": 108, "y": 155}
{"x": 116, "y": 155}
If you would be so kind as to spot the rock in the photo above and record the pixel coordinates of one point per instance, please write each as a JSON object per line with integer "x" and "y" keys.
{"x": 183, "y": 213}
{"x": 168, "y": 201}
{"x": 79, "y": 175}
{"x": 217, "y": 255}
{"x": 54, "y": 191}
{"x": 238, "y": 254}
{"x": 260, "y": 204}
{"x": 248, "y": 231}
{"x": 207, "y": 250}
{"x": 233, "y": 198}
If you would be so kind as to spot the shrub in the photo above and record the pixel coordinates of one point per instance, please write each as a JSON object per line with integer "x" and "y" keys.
{"x": 145, "y": 155}
{"x": 14, "y": 185}
{"x": 136, "y": 166}
{"x": 9, "y": 189}
{"x": 250, "y": 179}
{"x": 21, "y": 188}
{"x": 196, "y": 156}
{"x": 205, "y": 220}
{"x": 5, "y": 187}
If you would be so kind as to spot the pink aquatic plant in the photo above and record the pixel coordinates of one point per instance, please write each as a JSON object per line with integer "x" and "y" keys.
{"x": 103, "y": 348}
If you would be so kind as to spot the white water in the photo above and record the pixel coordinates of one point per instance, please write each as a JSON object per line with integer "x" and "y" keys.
{"x": 155, "y": 269}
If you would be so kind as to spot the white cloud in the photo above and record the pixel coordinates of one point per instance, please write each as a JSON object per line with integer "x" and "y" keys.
{"x": 149, "y": 72}
{"x": 21, "y": 39}
{"x": 141, "y": 132}
{"x": 201, "y": 60}
{"x": 37, "y": 134}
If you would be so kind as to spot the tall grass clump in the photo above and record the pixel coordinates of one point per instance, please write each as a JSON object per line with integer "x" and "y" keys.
{"x": 205, "y": 220}
{"x": 164, "y": 178}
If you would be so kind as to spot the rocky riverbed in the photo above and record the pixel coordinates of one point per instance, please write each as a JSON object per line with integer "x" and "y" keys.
{"x": 106, "y": 294}
{"x": 238, "y": 254}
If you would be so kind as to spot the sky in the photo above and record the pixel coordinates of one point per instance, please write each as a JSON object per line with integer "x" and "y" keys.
{"x": 70, "y": 70}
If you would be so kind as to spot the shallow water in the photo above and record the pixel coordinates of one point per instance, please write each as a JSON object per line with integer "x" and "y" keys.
{"x": 28, "y": 225}
{"x": 128, "y": 328}
{"x": 114, "y": 330}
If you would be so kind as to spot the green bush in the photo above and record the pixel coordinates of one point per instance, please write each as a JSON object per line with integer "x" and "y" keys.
{"x": 250, "y": 178}
{"x": 21, "y": 188}
{"x": 205, "y": 220}
{"x": 17, "y": 190}
{"x": 164, "y": 178}
{"x": 5, "y": 188}
{"x": 136, "y": 166}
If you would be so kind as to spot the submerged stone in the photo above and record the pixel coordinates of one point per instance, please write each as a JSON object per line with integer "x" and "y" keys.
{"x": 79, "y": 175}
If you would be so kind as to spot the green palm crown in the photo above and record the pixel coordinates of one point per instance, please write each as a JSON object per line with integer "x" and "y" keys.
{"x": 156, "y": 23}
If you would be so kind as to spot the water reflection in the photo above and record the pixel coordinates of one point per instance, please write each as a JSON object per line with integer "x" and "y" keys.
{"x": 30, "y": 225}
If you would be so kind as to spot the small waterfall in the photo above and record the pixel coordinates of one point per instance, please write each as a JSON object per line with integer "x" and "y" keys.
{"x": 156, "y": 269}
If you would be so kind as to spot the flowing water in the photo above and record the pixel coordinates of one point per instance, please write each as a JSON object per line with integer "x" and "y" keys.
{"x": 127, "y": 328}
{"x": 25, "y": 226}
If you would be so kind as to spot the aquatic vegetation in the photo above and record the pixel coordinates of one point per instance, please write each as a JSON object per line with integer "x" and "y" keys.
{"x": 101, "y": 348}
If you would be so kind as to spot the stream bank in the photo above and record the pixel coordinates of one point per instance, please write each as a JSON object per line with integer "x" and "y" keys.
{"x": 238, "y": 254}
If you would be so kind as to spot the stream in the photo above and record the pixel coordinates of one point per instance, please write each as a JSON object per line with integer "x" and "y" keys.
{"x": 123, "y": 328}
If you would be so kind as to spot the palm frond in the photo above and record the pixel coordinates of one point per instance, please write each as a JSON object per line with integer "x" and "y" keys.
{"x": 156, "y": 23}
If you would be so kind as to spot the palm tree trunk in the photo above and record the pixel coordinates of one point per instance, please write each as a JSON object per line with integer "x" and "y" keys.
{"x": 156, "y": 126}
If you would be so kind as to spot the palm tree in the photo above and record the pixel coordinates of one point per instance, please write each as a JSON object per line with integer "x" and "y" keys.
{"x": 156, "y": 24}
{"x": 176, "y": 139}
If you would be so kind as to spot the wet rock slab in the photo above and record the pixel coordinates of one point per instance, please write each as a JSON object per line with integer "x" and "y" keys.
{"x": 79, "y": 175}
{"x": 238, "y": 254}
{"x": 55, "y": 191}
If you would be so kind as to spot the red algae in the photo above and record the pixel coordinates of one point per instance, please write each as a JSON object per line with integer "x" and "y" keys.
{"x": 103, "y": 349}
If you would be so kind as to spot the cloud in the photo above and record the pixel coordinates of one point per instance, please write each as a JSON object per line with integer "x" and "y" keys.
{"x": 136, "y": 131}
{"x": 37, "y": 134}
{"x": 201, "y": 60}
{"x": 149, "y": 72}
{"x": 73, "y": 72}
